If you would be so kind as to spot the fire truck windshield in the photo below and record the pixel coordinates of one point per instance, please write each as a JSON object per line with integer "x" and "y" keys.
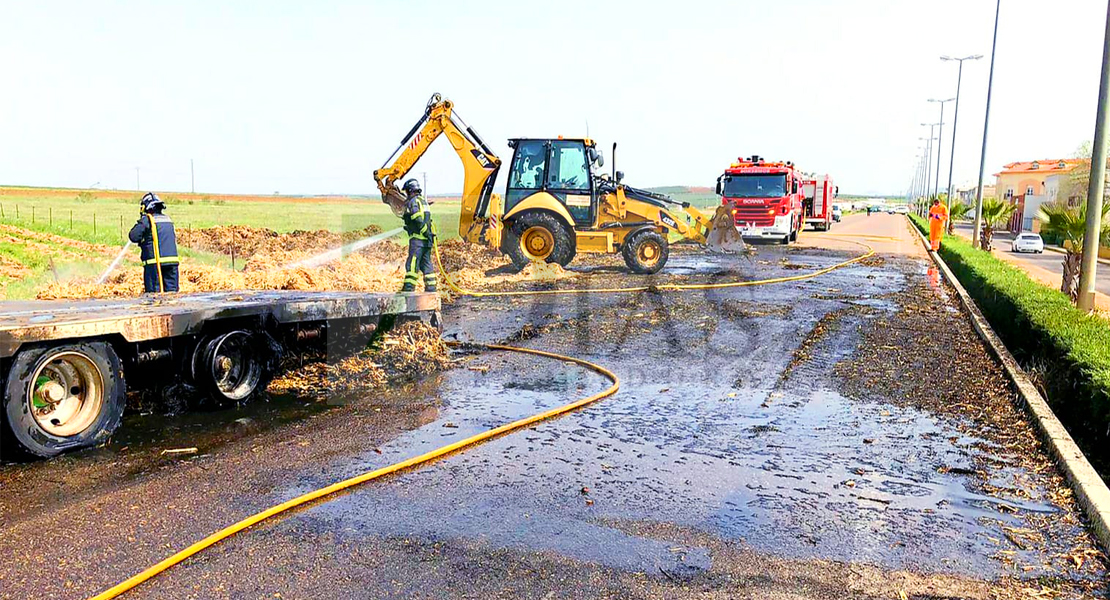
{"x": 754, "y": 186}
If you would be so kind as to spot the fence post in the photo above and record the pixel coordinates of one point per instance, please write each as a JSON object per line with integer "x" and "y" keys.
{"x": 94, "y": 224}
{"x": 121, "y": 227}
{"x": 50, "y": 216}
{"x": 32, "y": 214}
{"x": 71, "y": 219}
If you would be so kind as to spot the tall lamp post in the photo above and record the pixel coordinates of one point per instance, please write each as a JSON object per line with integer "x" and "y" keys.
{"x": 956, "y": 119}
{"x": 1097, "y": 185}
{"x": 986, "y": 123}
{"x": 929, "y": 173}
{"x": 940, "y": 140}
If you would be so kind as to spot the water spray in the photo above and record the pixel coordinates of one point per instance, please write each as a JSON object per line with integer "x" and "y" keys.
{"x": 115, "y": 263}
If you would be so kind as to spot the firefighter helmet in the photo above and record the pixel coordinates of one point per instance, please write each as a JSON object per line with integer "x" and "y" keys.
{"x": 412, "y": 187}
{"x": 151, "y": 202}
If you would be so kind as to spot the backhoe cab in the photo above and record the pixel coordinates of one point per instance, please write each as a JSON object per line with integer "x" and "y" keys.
{"x": 555, "y": 206}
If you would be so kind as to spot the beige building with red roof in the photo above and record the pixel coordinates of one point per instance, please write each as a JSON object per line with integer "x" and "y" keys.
{"x": 1028, "y": 178}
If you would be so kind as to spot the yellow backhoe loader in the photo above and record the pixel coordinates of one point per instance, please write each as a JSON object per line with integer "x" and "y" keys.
{"x": 555, "y": 206}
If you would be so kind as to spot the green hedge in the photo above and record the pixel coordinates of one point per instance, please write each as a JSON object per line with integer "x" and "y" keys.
{"x": 1048, "y": 335}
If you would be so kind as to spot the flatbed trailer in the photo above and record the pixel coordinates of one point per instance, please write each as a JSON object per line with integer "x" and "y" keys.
{"x": 65, "y": 366}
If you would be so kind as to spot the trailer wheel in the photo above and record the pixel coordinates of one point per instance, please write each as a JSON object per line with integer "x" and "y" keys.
{"x": 645, "y": 252}
{"x": 64, "y": 397}
{"x": 538, "y": 236}
{"x": 230, "y": 366}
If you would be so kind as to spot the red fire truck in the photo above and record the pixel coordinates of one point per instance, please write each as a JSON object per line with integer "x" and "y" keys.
{"x": 819, "y": 193}
{"x": 765, "y": 198}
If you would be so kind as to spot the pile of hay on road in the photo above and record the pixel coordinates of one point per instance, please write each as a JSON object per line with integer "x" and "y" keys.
{"x": 407, "y": 352}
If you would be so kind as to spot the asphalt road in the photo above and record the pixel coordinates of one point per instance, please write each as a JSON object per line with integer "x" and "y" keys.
{"x": 812, "y": 439}
{"x": 1049, "y": 263}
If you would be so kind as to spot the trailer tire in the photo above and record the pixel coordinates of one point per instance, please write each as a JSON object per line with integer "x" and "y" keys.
{"x": 231, "y": 367}
{"x": 85, "y": 414}
{"x": 535, "y": 236}
{"x": 645, "y": 252}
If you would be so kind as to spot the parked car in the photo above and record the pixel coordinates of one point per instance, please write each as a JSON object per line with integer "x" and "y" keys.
{"x": 901, "y": 209}
{"x": 837, "y": 213}
{"x": 1027, "y": 242}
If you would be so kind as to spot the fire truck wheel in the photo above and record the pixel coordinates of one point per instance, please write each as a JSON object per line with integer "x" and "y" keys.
{"x": 62, "y": 397}
{"x": 645, "y": 252}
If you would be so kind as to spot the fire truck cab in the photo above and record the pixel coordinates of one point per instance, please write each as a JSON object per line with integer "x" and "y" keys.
{"x": 765, "y": 198}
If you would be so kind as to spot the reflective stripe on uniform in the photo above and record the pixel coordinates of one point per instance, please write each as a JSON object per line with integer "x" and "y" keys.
{"x": 165, "y": 260}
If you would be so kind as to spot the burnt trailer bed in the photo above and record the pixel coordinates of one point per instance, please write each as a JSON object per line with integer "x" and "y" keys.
{"x": 66, "y": 365}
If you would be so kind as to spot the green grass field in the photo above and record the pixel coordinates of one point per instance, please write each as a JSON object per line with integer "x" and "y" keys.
{"x": 107, "y": 221}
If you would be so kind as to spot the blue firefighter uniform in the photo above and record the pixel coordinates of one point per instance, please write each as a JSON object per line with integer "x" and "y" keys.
{"x": 417, "y": 218}
{"x": 157, "y": 241}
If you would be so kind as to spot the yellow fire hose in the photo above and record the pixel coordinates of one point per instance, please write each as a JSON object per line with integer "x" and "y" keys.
{"x": 157, "y": 253}
{"x": 288, "y": 505}
{"x": 215, "y": 538}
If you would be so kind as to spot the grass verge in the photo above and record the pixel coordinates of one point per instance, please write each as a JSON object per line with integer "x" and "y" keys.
{"x": 1065, "y": 348}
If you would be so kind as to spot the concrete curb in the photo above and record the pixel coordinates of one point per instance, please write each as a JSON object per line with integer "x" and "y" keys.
{"x": 1059, "y": 250}
{"x": 1090, "y": 491}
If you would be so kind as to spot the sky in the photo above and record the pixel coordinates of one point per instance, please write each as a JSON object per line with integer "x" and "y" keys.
{"x": 311, "y": 97}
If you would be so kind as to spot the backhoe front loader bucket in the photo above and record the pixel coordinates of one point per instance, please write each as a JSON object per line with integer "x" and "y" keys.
{"x": 723, "y": 237}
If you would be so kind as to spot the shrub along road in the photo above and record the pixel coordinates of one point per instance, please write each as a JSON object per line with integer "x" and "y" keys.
{"x": 814, "y": 439}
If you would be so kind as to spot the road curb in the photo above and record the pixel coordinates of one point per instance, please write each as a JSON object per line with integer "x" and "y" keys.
{"x": 1059, "y": 250}
{"x": 1090, "y": 490}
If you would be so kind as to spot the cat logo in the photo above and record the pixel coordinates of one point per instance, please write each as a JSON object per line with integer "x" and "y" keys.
{"x": 482, "y": 160}
{"x": 668, "y": 221}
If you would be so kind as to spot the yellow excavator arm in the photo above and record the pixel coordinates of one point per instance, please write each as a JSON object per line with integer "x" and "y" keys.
{"x": 479, "y": 218}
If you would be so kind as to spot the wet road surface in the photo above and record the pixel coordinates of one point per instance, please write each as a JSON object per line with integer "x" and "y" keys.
{"x": 775, "y": 441}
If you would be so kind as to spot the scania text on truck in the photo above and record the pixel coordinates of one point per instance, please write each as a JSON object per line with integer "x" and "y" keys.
{"x": 818, "y": 193}
{"x": 764, "y": 197}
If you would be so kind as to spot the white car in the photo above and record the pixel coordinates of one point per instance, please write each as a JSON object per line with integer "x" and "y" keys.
{"x": 902, "y": 209}
{"x": 837, "y": 213}
{"x": 1027, "y": 242}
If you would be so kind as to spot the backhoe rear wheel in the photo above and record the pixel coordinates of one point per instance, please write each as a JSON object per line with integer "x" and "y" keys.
{"x": 538, "y": 236}
{"x": 645, "y": 252}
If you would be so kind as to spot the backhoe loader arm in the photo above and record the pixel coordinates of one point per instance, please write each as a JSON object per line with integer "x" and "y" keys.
{"x": 479, "y": 217}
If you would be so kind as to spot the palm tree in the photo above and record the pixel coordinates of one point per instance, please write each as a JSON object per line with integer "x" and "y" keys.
{"x": 995, "y": 212}
{"x": 958, "y": 211}
{"x": 1070, "y": 223}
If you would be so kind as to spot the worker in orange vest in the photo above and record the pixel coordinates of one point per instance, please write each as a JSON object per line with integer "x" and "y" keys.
{"x": 938, "y": 216}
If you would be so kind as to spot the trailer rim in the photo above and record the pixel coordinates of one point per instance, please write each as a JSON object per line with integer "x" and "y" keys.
{"x": 68, "y": 394}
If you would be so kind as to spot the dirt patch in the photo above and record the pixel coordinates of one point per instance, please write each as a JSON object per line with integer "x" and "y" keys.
{"x": 247, "y": 241}
{"x": 406, "y": 353}
{"x": 967, "y": 387}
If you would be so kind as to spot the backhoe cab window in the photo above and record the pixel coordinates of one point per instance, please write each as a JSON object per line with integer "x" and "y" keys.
{"x": 754, "y": 186}
{"x": 527, "y": 171}
{"x": 567, "y": 168}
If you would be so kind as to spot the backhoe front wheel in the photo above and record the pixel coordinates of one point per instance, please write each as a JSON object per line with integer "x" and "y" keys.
{"x": 645, "y": 252}
{"x": 538, "y": 237}
{"x": 62, "y": 397}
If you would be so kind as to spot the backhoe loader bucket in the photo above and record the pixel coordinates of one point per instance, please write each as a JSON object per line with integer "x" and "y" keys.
{"x": 723, "y": 237}
{"x": 396, "y": 199}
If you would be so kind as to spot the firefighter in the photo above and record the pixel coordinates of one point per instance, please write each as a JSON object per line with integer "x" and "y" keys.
{"x": 417, "y": 217}
{"x": 938, "y": 216}
{"x": 158, "y": 244}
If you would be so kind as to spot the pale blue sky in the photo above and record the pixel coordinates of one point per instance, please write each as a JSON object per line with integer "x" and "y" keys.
{"x": 311, "y": 97}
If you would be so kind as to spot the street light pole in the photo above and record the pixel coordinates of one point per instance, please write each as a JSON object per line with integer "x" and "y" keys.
{"x": 940, "y": 142}
{"x": 986, "y": 123}
{"x": 1086, "y": 299}
{"x": 929, "y": 162}
{"x": 956, "y": 120}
